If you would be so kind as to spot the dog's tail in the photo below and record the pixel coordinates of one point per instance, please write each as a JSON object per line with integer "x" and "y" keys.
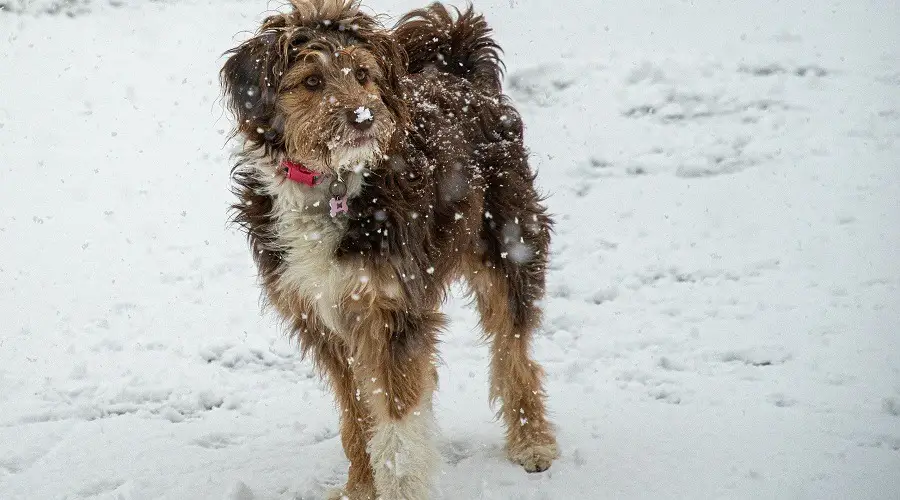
{"x": 460, "y": 44}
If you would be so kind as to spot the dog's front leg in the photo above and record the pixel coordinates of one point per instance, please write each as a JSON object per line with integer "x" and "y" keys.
{"x": 394, "y": 363}
{"x": 331, "y": 357}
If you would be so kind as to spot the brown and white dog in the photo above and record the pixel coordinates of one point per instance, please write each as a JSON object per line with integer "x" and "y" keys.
{"x": 379, "y": 166}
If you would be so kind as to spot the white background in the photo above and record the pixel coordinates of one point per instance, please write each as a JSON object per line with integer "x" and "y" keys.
{"x": 722, "y": 314}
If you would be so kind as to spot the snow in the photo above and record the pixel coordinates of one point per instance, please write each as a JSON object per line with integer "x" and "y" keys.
{"x": 363, "y": 114}
{"x": 722, "y": 311}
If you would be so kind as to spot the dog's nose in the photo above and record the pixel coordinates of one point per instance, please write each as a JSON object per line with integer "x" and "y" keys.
{"x": 360, "y": 118}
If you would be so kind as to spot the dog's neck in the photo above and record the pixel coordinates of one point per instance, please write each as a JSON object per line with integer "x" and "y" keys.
{"x": 301, "y": 191}
{"x": 337, "y": 188}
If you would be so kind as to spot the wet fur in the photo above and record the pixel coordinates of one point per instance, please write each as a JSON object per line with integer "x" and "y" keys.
{"x": 449, "y": 195}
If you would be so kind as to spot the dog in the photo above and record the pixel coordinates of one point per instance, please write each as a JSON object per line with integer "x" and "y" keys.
{"x": 378, "y": 166}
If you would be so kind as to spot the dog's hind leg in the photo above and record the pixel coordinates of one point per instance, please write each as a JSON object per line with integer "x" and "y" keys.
{"x": 515, "y": 378}
{"x": 507, "y": 279}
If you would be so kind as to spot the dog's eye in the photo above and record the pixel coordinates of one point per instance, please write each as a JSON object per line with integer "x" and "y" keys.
{"x": 312, "y": 82}
{"x": 362, "y": 75}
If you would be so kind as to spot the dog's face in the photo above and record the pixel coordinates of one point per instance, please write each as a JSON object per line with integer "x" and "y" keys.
{"x": 332, "y": 103}
{"x": 319, "y": 85}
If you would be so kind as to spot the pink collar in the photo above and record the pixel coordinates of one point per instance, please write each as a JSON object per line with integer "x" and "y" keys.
{"x": 298, "y": 173}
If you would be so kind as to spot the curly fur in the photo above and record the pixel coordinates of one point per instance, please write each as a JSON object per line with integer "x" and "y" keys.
{"x": 444, "y": 193}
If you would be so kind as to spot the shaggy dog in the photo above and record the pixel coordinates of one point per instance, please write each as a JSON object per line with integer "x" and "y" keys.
{"x": 378, "y": 167}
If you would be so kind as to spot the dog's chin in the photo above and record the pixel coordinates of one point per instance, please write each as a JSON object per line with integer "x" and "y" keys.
{"x": 355, "y": 155}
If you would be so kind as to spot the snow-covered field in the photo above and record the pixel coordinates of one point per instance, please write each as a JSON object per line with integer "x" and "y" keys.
{"x": 723, "y": 316}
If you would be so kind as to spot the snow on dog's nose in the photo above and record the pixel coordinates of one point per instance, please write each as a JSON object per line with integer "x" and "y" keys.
{"x": 360, "y": 118}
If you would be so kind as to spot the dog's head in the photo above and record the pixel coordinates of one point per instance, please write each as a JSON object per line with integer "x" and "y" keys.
{"x": 319, "y": 84}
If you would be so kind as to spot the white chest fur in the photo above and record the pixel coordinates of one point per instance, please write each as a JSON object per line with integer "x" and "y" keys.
{"x": 308, "y": 236}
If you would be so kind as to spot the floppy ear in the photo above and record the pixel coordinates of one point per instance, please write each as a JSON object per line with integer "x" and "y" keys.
{"x": 249, "y": 81}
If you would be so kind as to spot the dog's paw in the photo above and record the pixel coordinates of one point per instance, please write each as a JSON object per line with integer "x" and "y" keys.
{"x": 534, "y": 456}
{"x": 354, "y": 494}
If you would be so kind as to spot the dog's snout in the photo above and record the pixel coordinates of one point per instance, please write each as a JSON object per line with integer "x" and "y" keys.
{"x": 360, "y": 118}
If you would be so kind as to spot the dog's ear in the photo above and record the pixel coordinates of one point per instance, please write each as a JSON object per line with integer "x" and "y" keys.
{"x": 250, "y": 79}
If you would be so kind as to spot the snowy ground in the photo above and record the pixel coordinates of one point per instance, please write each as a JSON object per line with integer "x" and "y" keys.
{"x": 722, "y": 319}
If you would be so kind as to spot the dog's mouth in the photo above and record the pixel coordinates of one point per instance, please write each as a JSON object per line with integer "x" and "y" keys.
{"x": 361, "y": 141}
{"x": 353, "y": 141}
{"x": 354, "y": 150}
